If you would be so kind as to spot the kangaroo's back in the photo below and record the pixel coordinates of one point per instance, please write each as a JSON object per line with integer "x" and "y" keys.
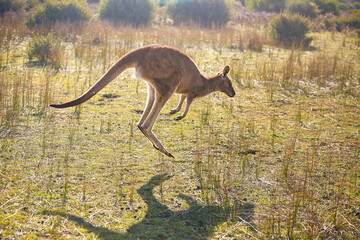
{"x": 162, "y": 58}
{"x": 164, "y": 62}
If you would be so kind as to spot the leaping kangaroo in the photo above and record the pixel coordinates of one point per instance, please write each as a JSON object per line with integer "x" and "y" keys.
{"x": 166, "y": 71}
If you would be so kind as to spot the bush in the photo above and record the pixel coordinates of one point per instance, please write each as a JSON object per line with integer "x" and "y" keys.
{"x": 304, "y": 8}
{"x": 53, "y": 11}
{"x": 291, "y": 30}
{"x": 206, "y": 13}
{"x": 328, "y": 6}
{"x": 10, "y": 5}
{"x": 133, "y": 12}
{"x": 29, "y": 4}
{"x": 45, "y": 51}
{"x": 266, "y": 5}
{"x": 351, "y": 21}
{"x": 162, "y": 3}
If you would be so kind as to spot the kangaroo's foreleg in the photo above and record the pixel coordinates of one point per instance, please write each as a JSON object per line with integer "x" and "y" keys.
{"x": 147, "y": 125}
{"x": 177, "y": 109}
{"x": 189, "y": 100}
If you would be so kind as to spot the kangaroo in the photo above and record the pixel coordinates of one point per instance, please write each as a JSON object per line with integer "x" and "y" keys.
{"x": 166, "y": 71}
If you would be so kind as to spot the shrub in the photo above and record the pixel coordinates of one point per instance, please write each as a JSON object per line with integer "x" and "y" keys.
{"x": 10, "y": 5}
{"x": 133, "y": 12}
{"x": 206, "y": 13}
{"x": 162, "y": 3}
{"x": 45, "y": 50}
{"x": 304, "y": 8}
{"x": 291, "y": 30}
{"x": 266, "y": 5}
{"x": 29, "y": 4}
{"x": 53, "y": 11}
{"x": 242, "y": 2}
{"x": 351, "y": 21}
{"x": 328, "y": 6}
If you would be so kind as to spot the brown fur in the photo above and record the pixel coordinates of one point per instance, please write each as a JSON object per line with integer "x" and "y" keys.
{"x": 167, "y": 71}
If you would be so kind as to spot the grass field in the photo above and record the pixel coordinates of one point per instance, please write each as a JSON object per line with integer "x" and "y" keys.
{"x": 280, "y": 160}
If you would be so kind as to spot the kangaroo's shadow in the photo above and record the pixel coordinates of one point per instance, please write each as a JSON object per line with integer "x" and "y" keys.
{"x": 196, "y": 222}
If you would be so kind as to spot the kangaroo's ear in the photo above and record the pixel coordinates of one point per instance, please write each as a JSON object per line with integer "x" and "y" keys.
{"x": 226, "y": 71}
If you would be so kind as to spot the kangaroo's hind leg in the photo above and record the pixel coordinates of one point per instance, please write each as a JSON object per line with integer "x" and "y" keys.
{"x": 147, "y": 125}
{"x": 148, "y": 106}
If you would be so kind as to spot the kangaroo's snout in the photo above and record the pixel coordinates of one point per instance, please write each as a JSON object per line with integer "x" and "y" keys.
{"x": 230, "y": 92}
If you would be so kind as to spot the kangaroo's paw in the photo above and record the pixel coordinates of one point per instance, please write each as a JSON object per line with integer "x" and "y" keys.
{"x": 179, "y": 118}
{"x": 173, "y": 111}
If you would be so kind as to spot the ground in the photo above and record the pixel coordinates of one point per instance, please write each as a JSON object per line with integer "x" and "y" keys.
{"x": 279, "y": 160}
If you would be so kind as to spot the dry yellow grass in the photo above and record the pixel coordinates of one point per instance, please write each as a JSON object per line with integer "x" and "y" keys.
{"x": 279, "y": 160}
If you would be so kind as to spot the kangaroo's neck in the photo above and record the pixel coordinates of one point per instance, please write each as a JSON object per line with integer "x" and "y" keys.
{"x": 208, "y": 86}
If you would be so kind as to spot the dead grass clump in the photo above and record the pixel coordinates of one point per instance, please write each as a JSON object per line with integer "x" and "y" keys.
{"x": 331, "y": 71}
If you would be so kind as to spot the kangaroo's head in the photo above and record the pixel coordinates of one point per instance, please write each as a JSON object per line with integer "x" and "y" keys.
{"x": 225, "y": 82}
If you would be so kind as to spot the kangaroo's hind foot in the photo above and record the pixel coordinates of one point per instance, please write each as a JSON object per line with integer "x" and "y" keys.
{"x": 155, "y": 142}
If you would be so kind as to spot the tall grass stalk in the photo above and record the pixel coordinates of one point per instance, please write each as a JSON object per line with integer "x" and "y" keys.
{"x": 287, "y": 160}
{"x": 131, "y": 135}
{"x": 273, "y": 126}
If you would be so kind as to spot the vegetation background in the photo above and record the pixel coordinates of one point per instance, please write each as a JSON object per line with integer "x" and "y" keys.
{"x": 280, "y": 160}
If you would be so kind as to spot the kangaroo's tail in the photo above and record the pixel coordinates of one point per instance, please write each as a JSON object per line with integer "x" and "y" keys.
{"x": 127, "y": 61}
